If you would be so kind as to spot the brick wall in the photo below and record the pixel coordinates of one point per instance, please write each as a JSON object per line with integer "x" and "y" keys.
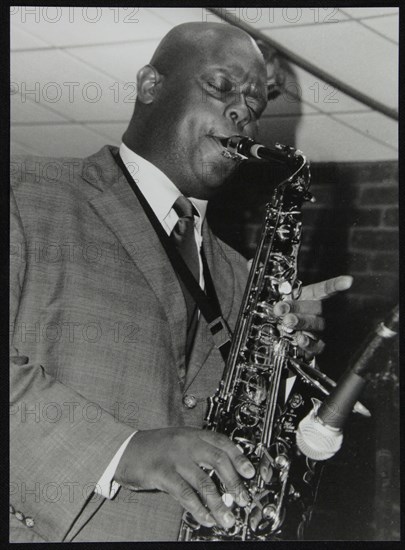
{"x": 352, "y": 228}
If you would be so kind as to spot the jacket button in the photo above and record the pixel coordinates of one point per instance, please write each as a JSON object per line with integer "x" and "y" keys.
{"x": 29, "y": 522}
{"x": 189, "y": 401}
{"x": 12, "y": 509}
{"x": 20, "y": 516}
{"x": 19, "y": 360}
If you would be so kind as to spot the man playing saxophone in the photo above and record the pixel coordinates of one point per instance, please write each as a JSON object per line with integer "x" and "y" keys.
{"x": 205, "y": 82}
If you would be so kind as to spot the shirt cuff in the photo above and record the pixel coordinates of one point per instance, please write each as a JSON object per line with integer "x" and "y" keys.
{"x": 106, "y": 486}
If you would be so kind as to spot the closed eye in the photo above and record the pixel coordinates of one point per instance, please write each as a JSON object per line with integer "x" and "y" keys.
{"x": 220, "y": 85}
{"x": 214, "y": 87}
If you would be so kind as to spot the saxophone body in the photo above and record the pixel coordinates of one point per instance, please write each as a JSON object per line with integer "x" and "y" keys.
{"x": 267, "y": 388}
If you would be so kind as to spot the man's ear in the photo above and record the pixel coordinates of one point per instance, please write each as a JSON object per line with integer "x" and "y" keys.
{"x": 147, "y": 80}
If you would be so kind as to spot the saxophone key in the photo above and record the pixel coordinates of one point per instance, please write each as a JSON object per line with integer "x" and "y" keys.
{"x": 285, "y": 232}
{"x": 285, "y": 288}
{"x": 270, "y": 512}
{"x": 281, "y": 462}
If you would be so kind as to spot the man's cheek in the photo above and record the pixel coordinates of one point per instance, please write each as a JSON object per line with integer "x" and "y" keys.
{"x": 214, "y": 171}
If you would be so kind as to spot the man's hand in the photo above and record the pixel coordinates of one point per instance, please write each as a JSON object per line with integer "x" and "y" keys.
{"x": 170, "y": 460}
{"x": 304, "y": 316}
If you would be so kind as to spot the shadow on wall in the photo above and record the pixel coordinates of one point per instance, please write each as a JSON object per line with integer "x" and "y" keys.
{"x": 283, "y": 113}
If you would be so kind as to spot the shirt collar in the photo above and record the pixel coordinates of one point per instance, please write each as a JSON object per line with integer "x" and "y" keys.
{"x": 156, "y": 187}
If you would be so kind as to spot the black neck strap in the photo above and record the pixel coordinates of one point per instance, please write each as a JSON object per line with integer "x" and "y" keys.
{"x": 207, "y": 303}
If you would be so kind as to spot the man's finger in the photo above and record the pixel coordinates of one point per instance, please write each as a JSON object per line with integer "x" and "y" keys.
{"x": 182, "y": 491}
{"x": 217, "y": 459}
{"x": 308, "y": 343}
{"x": 266, "y": 471}
{"x": 310, "y": 307}
{"x": 294, "y": 321}
{"x": 211, "y": 497}
{"x": 242, "y": 464}
{"x": 325, "y": 289}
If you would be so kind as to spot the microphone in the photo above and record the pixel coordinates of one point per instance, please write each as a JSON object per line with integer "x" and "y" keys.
{"x": 319, "y": 434}
{"x": 246, "y": 147}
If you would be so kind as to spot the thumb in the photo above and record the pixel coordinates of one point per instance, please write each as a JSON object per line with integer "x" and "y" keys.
{"x": 325, "y": 289}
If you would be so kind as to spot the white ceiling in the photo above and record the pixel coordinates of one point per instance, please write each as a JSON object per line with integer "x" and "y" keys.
{"x": 73, "y": 72}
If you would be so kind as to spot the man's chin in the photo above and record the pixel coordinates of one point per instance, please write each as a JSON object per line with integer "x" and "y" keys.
{"x": 215, "y": 178}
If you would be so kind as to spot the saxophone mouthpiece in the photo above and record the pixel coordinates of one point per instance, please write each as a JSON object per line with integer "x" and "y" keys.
{"x": 224, "y": 142}
{"x": 245, "y": 147}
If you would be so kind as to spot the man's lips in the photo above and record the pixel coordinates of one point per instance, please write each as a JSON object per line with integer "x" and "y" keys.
{"x": 218, "y": 139}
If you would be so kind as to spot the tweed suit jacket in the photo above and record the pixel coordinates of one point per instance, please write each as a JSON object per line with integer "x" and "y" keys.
{"x": 98, "y": 328}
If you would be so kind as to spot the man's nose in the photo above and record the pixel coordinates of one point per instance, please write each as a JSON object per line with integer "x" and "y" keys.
{"x": 239, "y": 114}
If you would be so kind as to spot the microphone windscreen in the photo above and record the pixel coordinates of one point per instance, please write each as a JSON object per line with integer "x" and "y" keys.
{"x": 316, "y": 440}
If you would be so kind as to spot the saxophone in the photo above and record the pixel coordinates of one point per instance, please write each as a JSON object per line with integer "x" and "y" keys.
{"x": 263, "y": 364}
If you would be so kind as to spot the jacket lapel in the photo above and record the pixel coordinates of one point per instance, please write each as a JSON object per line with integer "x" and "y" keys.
{"x": 224, "y": 282}
{"x": 120, "y": 210}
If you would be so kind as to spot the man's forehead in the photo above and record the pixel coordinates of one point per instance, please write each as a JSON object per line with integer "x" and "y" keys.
{"x": 234, "y": 48}
{"x": 235, "y": 66}
{"x": 241, "y": 57}
{"x": 190, "y": 47}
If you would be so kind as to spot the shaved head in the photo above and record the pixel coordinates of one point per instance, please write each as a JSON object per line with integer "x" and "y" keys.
{"x": 194, "y": 41}
{"x": 204, "y": 82}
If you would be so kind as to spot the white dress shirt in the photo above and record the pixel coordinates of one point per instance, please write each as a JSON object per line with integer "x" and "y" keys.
{"x": 161, "y": 193}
